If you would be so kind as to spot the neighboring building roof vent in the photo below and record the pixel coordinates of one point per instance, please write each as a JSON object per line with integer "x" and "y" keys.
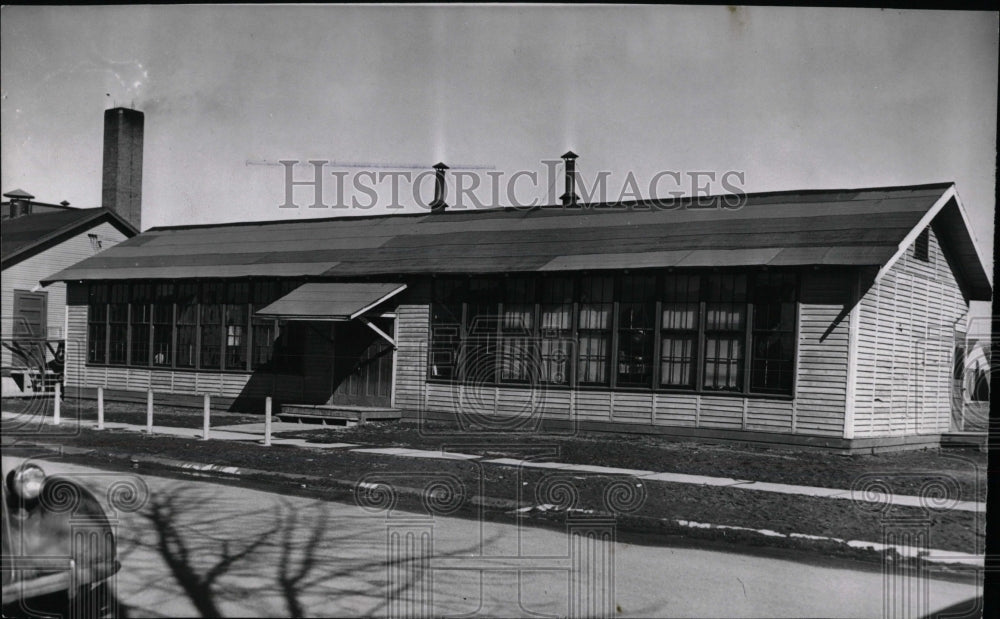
{"x": 20, "y": 202}
{"x": 64, "y": 203}
{"x": 439, "y": 205}
{"x": 570, "y": 198}
{"x": 19, "y": 193}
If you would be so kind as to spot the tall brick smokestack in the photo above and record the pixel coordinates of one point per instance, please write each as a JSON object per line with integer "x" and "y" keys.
{"x": 121, "y": 190}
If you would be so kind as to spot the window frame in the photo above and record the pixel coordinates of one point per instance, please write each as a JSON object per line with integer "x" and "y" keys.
{"x": 175, "y": 295}
{"x": 693, "y": 332}
{"x": 103, "y": 322}
{"x": 647, "y": 305}
{"x": 739, "y": 334}
{"x": 700, "y": 333}
{"x": 510, "y": 337}
{"x": 785, "y": 295}
{"x": 547, "y": 305}
{"x": 138, "y": 308}
{"x": 610, "y": 331}
{"x": 126, "y": 322}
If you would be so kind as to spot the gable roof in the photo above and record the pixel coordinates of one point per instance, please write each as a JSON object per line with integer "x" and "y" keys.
{"x": 25, "y": 236}
{"x": 863, "y": 227}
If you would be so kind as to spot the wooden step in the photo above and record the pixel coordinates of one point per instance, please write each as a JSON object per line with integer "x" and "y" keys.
{"x": 964, "y": 440}
{"x": 358, "y": 414}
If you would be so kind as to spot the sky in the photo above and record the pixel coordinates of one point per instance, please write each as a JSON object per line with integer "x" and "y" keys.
{"x": 790, "y": 98}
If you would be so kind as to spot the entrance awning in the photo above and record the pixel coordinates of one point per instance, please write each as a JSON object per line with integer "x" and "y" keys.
{"x": 330, "y": 301}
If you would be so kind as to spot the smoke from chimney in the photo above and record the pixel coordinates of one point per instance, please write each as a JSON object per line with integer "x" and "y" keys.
{"x": 121, "y": 190}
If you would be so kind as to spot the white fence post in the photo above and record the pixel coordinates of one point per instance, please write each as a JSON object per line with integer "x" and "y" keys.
{"x": 267, "y": 422}
{"x": 100, "y": 408}
{"x": 208, "y": 408}
{"x": 57, "y": 411}
{"x": 149, "y": 411}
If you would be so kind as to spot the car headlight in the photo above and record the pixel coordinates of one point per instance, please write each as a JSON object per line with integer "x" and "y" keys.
{"x": 26, "y": 482}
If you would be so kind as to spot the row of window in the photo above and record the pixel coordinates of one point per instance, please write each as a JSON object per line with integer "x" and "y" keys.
{"x": 188, "y": 325}
{"x": 694, "y": 331}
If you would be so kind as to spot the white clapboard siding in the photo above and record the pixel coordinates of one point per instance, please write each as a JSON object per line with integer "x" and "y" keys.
{"x": 556, "y": 404}
{"x": 721, "y": 412}
{"x": 633, "y": 408}
{"x": 594, "y": 405}
{"x": 442, "y": 397}
{"x": 905, "y": 347}
{"x": 769, "y": 416}
{"x": 518, "y": 402}
{"x": 824, "y": 345}
{"x": 27, "y": 274}
{"x": 412, "y": 332}
{"x": 676, "y": 409}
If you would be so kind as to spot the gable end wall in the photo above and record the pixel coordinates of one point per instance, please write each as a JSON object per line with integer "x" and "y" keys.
{"x": 905, "y": 345}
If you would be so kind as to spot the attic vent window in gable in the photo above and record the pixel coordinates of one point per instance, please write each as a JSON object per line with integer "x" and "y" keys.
{"x": 921, "y": 247}
{"x": 95, "y": 242}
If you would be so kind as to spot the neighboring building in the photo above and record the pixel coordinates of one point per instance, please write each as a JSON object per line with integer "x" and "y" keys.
{"x": 971, "y": 392}
{"x": 40, "y": 238}
{"x": 816, "y": 318}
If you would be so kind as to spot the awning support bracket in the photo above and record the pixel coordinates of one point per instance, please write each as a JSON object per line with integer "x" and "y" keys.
{"x": 374, "y": 328}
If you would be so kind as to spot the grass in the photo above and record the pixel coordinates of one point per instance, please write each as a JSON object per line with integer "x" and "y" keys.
{"x": 326, "y": 471}
{"x": 905, "y": 472}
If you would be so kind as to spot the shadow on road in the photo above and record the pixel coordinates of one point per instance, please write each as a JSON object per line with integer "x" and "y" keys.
{"x": 298, "y": 560}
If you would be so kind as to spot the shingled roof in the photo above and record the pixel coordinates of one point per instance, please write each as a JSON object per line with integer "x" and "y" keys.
{"x": 27, "y": 235}
{"x": 862, "y": 227}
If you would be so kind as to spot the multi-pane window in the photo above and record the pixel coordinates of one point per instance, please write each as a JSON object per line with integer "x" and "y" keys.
{"x": 237, "y": 298}
{"x": 264, "y": 329}
{"x": 594, "y": 330}
{"x": 555, "y": 311}
{"x": 478, "y": 359}
{"x": 187, "y": 325}
{"x": 725, "y": 331}
{"x": 636, "y": 326}
{"x": 679, "y": 330}
{"x": 211, "y": 325}
{"x": 140, "y": 320}
{"x": 183, "y": 325}
{"x": 97, "y": 324}
{"x": 118, "y": 324}
{"x": 163, "y": 324}
{"x": 518, "y": 350}
{"x": 772, "y": 363}
{"x": 446, "y": 327}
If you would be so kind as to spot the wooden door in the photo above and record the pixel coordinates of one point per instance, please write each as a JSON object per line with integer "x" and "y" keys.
{"x": 30, "y": 315}
{"x": 362, "y": 367}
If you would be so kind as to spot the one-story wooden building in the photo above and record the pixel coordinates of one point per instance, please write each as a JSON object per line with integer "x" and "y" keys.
{"x": 38, "y": 238}
{"x": 822, "y": 318}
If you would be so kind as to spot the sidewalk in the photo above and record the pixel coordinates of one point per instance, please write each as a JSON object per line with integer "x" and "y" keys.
{"x": 255, "y": 433}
